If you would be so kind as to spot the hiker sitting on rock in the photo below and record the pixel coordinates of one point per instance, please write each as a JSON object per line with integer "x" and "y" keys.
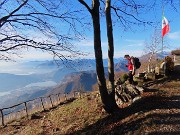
{"x": 131, "y": 67}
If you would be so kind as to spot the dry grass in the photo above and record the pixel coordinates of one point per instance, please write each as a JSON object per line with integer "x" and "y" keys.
{"x": 157, "y": 112}
{"x": 64, "y": 119}
{"x": 77, "y": 115}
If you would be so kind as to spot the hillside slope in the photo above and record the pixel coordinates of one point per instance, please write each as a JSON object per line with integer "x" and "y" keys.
{"x": 76, "y": 81}
{"x": 157, "y": 112}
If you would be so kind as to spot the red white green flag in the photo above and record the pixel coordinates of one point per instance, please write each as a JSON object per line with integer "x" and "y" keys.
{"x": 165, "y": 26}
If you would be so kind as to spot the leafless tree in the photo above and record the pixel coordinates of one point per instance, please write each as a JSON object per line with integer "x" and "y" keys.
{"x": 127, "y": 14}
{"x": 95, "y": 14}
{"x": 21, "y": 21}
{"x": 38, "y": 16}
{"x": 174, "y": 4}
{"x": 123, "y": 13}
{"x": 154, "y": 46}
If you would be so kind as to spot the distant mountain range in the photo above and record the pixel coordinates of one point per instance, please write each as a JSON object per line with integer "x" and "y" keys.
{"x": 32, "y": 79}
{"x": 40, "y": 71}
{"x": 76, "y": 81}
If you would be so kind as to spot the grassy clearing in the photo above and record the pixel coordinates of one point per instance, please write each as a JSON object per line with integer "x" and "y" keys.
{"x": 77, "y": 115}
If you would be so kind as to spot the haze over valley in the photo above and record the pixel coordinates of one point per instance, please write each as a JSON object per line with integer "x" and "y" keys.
{"x": 24, "y": 81}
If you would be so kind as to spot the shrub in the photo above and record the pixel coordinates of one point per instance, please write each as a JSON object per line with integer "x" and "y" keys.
{"x": 124, "y": 77}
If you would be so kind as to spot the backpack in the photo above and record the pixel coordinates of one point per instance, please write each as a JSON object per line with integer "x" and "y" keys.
{"x": 137, "y": 62}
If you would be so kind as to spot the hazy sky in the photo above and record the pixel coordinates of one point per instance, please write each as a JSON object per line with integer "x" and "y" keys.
{"x": 126, "y": 41}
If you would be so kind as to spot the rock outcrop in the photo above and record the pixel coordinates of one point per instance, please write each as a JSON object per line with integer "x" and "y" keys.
{"x": 126, "y": 93}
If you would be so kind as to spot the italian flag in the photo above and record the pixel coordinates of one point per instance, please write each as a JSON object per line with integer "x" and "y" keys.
{"x": 165, "y": 26}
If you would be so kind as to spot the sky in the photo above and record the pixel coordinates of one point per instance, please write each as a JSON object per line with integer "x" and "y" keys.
{"x": 126, "y": 41}
{"x": 133, "y": 42}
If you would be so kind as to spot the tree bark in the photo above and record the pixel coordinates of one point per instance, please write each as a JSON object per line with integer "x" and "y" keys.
{"x": 110, "y": 51}
{"x": 110, "y": 44}
{"x": 106, "y": 98}
{"x": 98, "y": 53}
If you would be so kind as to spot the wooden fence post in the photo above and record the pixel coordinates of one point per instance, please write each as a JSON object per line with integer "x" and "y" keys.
{"x": 2, "y": 117}
{"x": 65, "y": 98}
{"x": 50, "y": 100}
{"x": 80, "y": 94}
{"x": 26, "y": 109}
{"x": 42, "y": 103}
{"x": 59, "y": 97}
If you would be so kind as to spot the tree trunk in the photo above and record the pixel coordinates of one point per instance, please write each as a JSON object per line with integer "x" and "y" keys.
{"x": 106, "y": 99}
{"x": 110, "y": 44}
{"x": 98, "y": 51}
{"x": 149, "y": 62}
{"x": 110, "y": 51}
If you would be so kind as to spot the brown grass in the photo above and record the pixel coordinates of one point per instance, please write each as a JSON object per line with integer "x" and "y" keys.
{"x": 157, "y": 112}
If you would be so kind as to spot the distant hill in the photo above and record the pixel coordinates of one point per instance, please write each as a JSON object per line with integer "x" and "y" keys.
{"x": 156, "y": 58}
{"x": 120, "y": 66}
{"x": 76, "y": 81}
{"x": 159, "y": 55}
{"x": 86, "y": 79}
{"x": 77, "y": 64}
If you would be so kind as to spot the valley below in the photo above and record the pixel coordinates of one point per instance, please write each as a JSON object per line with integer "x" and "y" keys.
{"x": 25, "y": 81}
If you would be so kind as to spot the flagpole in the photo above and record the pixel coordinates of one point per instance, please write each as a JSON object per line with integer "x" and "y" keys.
{"x": 162, "y": 46}
{"x": 161, "y": 26}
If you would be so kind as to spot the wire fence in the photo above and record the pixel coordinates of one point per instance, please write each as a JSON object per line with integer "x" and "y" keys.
{"x": 25, "y": 109}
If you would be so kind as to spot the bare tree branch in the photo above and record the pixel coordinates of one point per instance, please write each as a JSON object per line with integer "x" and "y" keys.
{"x": 5, "y": 18}
{"x": 131, "y": 15}
{"x": 44, "y": 19}
{"x": 86, "y": 5}
{"x": 128, "y": 13}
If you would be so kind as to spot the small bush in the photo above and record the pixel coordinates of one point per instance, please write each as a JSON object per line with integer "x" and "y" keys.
{"x": 124, "y": 77}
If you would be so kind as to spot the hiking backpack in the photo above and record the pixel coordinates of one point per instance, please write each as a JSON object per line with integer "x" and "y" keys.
{"x": 137, "y": 62}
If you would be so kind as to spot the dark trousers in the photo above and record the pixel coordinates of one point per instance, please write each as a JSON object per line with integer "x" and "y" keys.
{"x": 130, "y": 79}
